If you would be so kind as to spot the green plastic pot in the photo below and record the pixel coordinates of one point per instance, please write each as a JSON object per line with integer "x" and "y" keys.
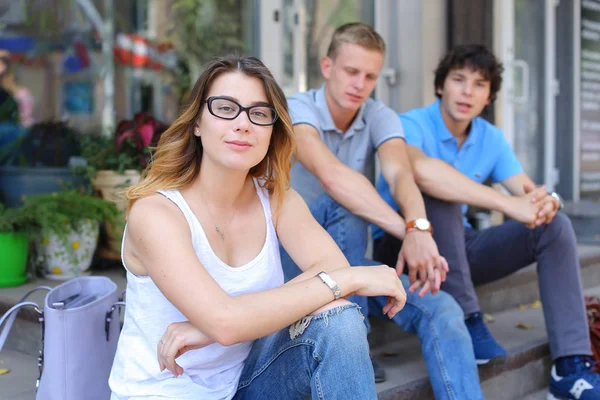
{"x": 13, "y": 259}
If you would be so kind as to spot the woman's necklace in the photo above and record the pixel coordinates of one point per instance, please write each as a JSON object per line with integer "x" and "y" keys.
{"x": 212, "y": 219}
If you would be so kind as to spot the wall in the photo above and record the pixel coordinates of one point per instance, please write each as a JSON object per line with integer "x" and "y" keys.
{"x": 415, "y": 34}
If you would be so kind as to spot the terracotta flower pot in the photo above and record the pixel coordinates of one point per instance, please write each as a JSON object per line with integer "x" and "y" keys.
{"x": 111, "y": 185}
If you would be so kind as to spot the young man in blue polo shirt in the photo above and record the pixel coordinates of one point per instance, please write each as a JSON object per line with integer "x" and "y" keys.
{"x": 339, "y": 130}
{"x": 453, "y": 152}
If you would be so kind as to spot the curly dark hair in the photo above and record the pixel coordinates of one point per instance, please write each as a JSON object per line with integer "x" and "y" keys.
{"x": 475, "y": 56}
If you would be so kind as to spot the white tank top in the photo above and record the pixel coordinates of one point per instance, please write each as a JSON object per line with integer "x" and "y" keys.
{"x": 212, "y": 372}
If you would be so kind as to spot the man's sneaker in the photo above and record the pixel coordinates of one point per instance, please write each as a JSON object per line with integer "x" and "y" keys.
{"x": 379, "y": 371}
{"x": 487, "y": 350}
{"x": 573, "y": 378}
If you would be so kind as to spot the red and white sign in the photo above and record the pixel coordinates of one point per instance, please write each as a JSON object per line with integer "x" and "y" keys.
{"x": 136, "y": 51}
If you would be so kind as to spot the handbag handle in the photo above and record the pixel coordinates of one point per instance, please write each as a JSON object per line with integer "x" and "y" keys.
{"x": 109, "y": 316}
{"x": 10, "y": 316}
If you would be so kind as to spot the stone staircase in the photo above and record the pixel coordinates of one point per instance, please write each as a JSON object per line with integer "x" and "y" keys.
{"x": 525, "y": 374}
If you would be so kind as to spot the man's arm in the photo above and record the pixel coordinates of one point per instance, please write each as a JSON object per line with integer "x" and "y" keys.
{"x": 346, "y": 186}
{"x": 441, "y": 180}
{"x": 521, "y": 184}
{"x": 397, "y": 171}
{"x": 418, "y": 250}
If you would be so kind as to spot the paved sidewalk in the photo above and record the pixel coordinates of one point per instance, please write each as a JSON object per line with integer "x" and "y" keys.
{"x": 19, "y": 383}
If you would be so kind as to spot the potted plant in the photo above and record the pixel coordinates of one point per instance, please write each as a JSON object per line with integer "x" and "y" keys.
{"x": 109, "y": 170}
{"x": 115, "y": 163}
{"x": 67, "y": 225}
{"x": 16, "y": 226}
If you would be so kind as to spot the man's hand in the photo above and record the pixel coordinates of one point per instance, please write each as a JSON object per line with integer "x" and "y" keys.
{"x": 549, "y": 206}
{"x": 177, "y": 339}
{"x": 425, "y": 265}
{"x": 528, "y": 208}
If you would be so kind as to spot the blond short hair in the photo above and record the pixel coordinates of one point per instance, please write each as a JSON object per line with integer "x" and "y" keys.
{"x": 356, "y": 33}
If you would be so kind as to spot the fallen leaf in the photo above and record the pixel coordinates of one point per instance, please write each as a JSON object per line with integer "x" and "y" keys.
{"x": 535, "y": 304}
{"x": 522, "y": 325}
{"x": 4, "y": 371}
{"x": 488, "y": 318}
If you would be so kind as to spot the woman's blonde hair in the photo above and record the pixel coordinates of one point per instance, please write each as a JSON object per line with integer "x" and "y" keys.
{"x": 177, "y": 157}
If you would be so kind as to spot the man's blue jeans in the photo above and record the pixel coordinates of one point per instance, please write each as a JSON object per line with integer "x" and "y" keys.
{"x": 437, "y": 320}
{"x": 328, "y": 360}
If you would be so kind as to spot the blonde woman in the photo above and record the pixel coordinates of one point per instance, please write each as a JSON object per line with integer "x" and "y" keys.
{"x": 204, "y": 277}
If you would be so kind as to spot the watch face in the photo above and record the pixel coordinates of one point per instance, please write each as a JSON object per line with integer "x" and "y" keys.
{"x": 558, "y": 198}
{"x": 422, "y": 224}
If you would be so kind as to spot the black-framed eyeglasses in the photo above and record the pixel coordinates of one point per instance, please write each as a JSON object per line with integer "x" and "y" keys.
{"x": 225, "y": 108}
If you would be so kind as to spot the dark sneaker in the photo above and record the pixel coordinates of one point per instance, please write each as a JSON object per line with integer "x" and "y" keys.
{"x": 379, "y": 371}
{"x": 578, "y": 381}
{"x": 487, "y": 350}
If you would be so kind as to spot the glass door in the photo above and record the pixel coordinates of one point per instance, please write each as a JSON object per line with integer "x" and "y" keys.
{"x": 303, "y": 30}
{"x": 529, "y": 85}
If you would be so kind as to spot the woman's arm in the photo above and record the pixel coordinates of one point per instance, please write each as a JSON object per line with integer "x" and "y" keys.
{"x": 160, "y": 240}
{"x": 307, "y": 243}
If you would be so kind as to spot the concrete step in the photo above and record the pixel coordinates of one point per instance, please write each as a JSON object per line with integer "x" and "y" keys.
{"x": 539, "y": 395}
{"x": 519, "y": 289}
{"x": 19, "y": 383}
{"x": 522, "y": 287}
{"x": 525, "y": 372}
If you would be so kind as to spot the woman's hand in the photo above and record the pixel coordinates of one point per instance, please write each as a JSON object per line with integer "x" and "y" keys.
{"x": 381, "y": 281}
{"x": 177, "y": 339}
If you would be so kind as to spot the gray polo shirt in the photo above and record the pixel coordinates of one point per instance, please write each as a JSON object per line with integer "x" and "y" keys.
{"x": 374, "y": 124}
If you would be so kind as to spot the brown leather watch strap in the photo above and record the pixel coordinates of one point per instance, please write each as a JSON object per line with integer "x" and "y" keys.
{"x": 412, "y": 225}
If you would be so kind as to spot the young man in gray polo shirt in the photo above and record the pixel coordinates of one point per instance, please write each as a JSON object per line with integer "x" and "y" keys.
{"x": 339, "y": 129}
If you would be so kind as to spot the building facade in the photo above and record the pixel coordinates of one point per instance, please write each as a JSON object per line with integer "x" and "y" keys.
{"x": 548, "y": 108}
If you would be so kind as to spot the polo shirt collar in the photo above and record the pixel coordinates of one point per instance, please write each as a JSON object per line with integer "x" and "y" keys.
{"x": 326, "y": 120}
{"x": 441, "y": 131}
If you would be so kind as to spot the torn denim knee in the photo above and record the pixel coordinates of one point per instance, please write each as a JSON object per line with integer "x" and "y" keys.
{"x": 298, "y": 327}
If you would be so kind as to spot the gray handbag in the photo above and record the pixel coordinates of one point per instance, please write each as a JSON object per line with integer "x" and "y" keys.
{"x": 79, "y": 338}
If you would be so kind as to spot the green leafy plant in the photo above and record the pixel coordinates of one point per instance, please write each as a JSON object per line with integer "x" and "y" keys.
{"x": 129, "y": 147}
{"x": 17, "y": 220}
{"x": 61, "y": 212}
{"x": 57, "y": 214}
{"x": 101, "y": 153}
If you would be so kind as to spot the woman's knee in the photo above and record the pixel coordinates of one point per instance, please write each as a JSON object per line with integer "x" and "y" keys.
{"x": 329, "y": 306}
{"x": 342, "y": 328}
{"x": 333, "y": 319}
{"x": 343, "y": 319}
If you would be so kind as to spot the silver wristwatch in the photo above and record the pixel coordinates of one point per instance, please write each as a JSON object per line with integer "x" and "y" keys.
{"x": 330, "y": 283}
{"x": 559, "y": 199}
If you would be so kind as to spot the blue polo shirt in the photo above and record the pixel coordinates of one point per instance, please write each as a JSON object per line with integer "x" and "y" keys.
{"x": 484, "y": 154}
{"x": 374, "y": 124}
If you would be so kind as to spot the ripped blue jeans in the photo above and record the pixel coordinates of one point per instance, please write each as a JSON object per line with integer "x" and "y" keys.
{"x": 325, "y": 356}
{"x": 437, "y": 320}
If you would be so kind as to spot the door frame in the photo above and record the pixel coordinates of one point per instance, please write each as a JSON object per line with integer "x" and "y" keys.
{"x": 509, "y": 97}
